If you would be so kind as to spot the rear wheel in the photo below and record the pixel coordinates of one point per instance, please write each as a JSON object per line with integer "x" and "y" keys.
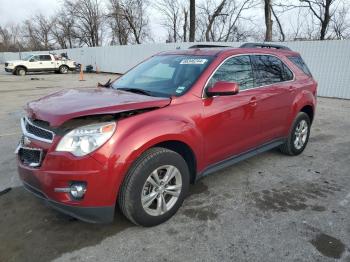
{"x": 155, "y": 187}
{"x": 299, "y": 135}
{"x": 21, "y": 71}
{"x": 63, "y": 69}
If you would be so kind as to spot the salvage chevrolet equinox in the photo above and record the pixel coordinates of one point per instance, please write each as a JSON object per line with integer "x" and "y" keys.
{"x": 141, "y": 140}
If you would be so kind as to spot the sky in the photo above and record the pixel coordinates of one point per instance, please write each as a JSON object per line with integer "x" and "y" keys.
{"x": 24, "y": 9}
{"x": 11, "y": 11}
{"x": 15, "y": 11}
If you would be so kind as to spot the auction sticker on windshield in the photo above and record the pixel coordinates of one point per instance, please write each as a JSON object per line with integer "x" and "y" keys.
{"x": 193, "y": 61}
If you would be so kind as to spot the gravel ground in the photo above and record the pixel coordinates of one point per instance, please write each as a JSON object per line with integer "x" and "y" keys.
{"x": 268, "y": 208}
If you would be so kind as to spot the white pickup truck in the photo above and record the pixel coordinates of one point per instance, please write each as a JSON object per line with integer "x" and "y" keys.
{"x": 40, "y": 63}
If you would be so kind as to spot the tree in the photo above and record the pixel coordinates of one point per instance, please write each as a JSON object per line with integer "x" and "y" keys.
{"x": 192, "y": 20}
{"x": 172, "y": 17}
{"x": 280, "y": 28}
{"x": 37, "y": 31}
{"x": 89, "y": 18}
{"x": 223, "y": 21}
{"x": 341, "y": 23}
{"x": 321, "y": 9}
{"x": 134, "y": 12}
{"x": 119, "y": 26}
{"x": 268, "y": 20}
{"x": 63, "y": 32}
{"x": 185, "y": 25}
{"x": 211, "y": 18}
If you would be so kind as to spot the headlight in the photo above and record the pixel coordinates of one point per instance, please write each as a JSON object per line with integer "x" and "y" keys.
{"x": 83, "y": 140}
{"x": 10, "y": 64}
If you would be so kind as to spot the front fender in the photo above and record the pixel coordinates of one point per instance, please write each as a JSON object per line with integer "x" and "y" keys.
{"x": 133, "y": 137}
{"x": 139, "y": 139}
{"x": 16, "y": 66}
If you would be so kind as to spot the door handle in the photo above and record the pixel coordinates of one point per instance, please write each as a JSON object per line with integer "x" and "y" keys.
{"x": 291, "y": 89}
{"x": 252, "y": 101}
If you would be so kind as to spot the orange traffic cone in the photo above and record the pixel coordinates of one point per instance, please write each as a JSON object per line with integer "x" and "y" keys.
{"x": 81, "y": 74}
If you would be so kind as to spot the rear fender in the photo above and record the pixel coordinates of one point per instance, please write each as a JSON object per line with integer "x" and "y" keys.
{"x": 303, "y": 98}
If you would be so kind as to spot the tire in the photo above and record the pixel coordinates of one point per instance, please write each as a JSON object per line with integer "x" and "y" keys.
{"x": 63, "y": 69}
{"x": 292, "y": 147}
{"x": 136, "y": 194}
{"x": 21, "y": 71}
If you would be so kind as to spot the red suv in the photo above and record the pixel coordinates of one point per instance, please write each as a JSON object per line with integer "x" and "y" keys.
{"x": 140, "y": 140}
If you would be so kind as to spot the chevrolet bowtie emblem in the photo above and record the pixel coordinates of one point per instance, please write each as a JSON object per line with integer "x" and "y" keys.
{"x": 26, "y": 141}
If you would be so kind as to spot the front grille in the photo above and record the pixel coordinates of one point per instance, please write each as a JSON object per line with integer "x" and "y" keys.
{"x": 30, "y": 156}
{"x": 31, "y": 130}
{"x": 6, "y": 64}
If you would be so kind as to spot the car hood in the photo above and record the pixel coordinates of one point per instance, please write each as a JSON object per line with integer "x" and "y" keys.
{"x": 64, "y": 105}
{"x": 14, "y": 61}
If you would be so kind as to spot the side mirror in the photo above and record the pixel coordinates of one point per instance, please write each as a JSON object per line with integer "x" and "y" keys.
{"x": 222, "y": 88}
{"x": 32, "y": 60}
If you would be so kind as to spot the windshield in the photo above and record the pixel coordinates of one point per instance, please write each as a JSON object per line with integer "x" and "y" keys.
{"x": 27, "y": 57}
{"x": 164, "y": 75}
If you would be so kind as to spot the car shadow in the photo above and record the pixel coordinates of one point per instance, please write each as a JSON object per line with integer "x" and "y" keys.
{"x": 28, "y": 228}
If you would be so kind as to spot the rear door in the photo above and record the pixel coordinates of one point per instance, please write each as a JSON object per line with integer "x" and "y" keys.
{"x": 46, "y": 62}
{"x": 275, "y": 82}
{"x": 230, "y": 124}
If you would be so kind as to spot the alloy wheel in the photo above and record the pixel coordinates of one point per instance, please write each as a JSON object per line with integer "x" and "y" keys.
{"x": 161, "y": 190}
{"x": 301, "y": 133}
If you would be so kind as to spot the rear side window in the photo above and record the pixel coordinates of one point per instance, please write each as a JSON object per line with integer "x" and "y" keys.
{"x": 45, "y": 58}
{"x": 236, "y": 69}
{"x": 270, "y": 69}
{"x": 299, "y": 62}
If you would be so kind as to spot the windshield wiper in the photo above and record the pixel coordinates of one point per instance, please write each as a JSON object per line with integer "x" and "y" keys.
{"x": 136, "y": 90}
{"x": 107, "y": 84}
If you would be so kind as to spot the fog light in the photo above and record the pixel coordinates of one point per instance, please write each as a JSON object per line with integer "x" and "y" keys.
{"x": 77, "y": 190}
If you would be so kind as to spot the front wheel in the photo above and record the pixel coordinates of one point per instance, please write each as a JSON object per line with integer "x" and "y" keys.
{"x": 298, "y": 136}
{"x": 20, "y": 71}
{"x": 155, "y": 187}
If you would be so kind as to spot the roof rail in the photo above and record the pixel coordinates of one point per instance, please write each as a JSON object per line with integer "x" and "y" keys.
{"x": 207, "y": 46}
{"x": 263, "y": 45}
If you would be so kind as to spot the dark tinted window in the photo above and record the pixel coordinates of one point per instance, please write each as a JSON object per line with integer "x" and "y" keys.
{"x": 236, "y": 69}
{"x": 298, "y": 61}
{"x": 287, "y": 74}
{"x": 45, "y": 58}
{"x": 270, "y": 69}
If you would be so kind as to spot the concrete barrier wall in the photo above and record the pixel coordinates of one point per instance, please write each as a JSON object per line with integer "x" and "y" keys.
{"x": 329, "y": 61}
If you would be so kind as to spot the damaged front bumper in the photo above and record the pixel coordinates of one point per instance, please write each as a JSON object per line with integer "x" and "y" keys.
{"x": 103, "y": 214}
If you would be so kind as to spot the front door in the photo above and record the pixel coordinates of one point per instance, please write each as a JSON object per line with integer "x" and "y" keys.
{"x": 34, "y": 63}
{"x": 230, "y": 125}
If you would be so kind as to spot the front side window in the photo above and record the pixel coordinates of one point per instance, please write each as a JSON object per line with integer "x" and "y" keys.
{"x": 237, "y": 69}
{"x": 34, "y": 58}
{"x": 164, "y": 75}
{"x": 26, "y": 58}
{"x": 269, "y": 70}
